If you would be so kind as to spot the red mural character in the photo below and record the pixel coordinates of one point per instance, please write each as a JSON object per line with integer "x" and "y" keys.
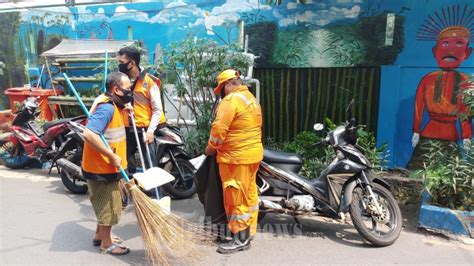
{"x": 439, "y": 93}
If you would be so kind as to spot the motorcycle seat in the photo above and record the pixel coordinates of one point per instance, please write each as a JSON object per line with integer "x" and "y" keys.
{"x": 271, "y": 156}
{"x": 60, "y": 121}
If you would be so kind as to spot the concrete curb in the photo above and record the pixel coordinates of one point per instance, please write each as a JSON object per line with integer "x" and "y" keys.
{"x": 444, "y": 220}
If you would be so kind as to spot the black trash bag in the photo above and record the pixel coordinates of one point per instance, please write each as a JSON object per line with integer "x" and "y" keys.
{"x": 209, "y": 190}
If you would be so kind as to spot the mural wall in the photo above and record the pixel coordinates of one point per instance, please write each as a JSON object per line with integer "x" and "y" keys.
{"x": 391, "y": 40}
{"x": 426, "y": 84}
{"x": 323, "y": 33}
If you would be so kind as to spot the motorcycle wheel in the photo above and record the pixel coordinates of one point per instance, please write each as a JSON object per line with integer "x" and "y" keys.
{"x": 73, "y": 184}
{"x": 182, "y": 187}
{"x": 14, "y": 158}
{"x": 379, "y": 231}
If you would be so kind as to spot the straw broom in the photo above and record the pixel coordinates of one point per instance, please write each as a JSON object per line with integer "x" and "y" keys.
{"x": 165, "y": 235}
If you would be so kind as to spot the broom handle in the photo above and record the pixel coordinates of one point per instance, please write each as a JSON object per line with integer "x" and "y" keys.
{"x": 137, "y": 139}
{"x": 83, "y": 106}
{"x": 149, "y": 159}
{"x": 105, "y": 71}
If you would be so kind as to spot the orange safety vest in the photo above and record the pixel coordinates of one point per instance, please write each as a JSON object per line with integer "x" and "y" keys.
{"x": 141, "y": 101}
{"x": 93, "y": 161}
{"x": 236, "y": 133}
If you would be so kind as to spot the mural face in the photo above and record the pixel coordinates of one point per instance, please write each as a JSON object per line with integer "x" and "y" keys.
{"x": 451, "y": 52}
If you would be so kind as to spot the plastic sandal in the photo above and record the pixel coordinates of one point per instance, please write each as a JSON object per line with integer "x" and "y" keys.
{"x": 110, "y": 249}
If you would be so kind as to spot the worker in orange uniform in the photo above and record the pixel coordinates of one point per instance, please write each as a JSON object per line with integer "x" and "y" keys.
{"x": 100, "y": 164}
{"x": 236, "y": 137}
{"x": 147, "y": 106}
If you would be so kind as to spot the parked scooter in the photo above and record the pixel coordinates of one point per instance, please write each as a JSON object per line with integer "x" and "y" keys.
{"x": 175, "y": 160}
{"x": 347, "y": 185}
{"x": 69, "y": 159}
{"x": 28, "y": 140}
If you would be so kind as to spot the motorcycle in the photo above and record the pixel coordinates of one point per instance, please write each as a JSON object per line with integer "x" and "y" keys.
{"x": 347, "y": 185}
{"x": 69, "y": 158}
{"x": 27, "y": 140}
{"x": 173, "y": 158}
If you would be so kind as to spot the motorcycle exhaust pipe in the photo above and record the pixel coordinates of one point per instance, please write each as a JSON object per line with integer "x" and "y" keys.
{"x": 70, "y": 167}
{"x": 267, "y": 204}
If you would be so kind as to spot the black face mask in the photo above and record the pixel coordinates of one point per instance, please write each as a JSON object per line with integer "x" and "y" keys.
{"x": 122, "y": 100}
{"x": 124, "y": 67}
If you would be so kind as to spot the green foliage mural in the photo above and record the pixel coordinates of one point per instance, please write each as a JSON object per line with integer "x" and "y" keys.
{"x": 11, "y": 53}
{"x": 293, "y": 47}
{"x": 258, "y": 31}
{"x": 362, "y": 43}
{"x": 372, "y": 34}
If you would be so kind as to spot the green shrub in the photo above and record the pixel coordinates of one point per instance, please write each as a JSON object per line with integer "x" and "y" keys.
{"x": 448, "y": 176}
{"x": 192, "y": 66}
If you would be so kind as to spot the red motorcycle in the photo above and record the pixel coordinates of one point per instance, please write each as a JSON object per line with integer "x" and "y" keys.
{"x": 28, "y": 141}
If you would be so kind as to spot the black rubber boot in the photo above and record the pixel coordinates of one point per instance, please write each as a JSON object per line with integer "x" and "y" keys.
{"x": 239, "y": 242}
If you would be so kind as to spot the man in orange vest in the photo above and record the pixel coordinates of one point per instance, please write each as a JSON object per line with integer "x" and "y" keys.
{"x": 236, "y": 137}
{"x": 147, "y": 106}
{"x": 100, "y": 164}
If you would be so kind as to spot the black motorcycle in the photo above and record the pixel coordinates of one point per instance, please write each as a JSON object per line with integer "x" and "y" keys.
{"x": 69, "y": 158}
{"x": 173, "y": 158}
{"x": 347, "y": 185}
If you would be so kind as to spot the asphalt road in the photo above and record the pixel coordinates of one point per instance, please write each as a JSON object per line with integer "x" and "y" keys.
{"x": 42, "y": 223}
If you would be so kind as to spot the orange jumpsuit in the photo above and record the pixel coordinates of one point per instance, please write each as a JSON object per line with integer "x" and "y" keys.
{"x": 236, "y": 134}
{"x": 440, "y": 95}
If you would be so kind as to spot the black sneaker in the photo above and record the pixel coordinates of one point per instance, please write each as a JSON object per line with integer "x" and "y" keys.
{"x": 239, "y": 242}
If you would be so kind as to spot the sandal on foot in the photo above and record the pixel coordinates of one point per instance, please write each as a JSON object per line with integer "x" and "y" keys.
{"x": 110, "y": 249}
{"x": 115, "y": 240}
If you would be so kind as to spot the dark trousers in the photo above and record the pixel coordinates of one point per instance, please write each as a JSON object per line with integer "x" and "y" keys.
{"x": 132, "y": 148}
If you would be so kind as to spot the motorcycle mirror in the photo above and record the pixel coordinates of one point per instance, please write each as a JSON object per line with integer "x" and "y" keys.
{"x": 318, "y": 127}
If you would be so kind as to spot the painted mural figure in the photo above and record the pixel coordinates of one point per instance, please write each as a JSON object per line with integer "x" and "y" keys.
{"x": 439, "y": 92}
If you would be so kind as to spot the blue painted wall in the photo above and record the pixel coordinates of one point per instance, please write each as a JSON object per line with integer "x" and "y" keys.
{"x": 165, "y": 22}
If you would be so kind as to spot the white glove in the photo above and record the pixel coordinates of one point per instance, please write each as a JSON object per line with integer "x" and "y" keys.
{"x": 415, "y": 139}
{"x": 466, "y": 143}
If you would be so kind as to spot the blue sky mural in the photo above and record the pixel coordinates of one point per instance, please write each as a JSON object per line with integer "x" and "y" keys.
{"x": 169, "y": 21}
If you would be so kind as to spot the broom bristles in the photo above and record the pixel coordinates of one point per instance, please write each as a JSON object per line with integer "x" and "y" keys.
{"x": 165, "y": 235}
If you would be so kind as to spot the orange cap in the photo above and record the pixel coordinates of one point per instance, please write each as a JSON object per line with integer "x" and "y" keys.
{"x": 224, "y": 76}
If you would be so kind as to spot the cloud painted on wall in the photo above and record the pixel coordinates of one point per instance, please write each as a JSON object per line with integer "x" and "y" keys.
{"x": 321, "y": 17}
{"x": 349, "y": 1}
{"x": 122, "y": 13}
{"x": 227, "y": 12}
{"x": 177, "y": 11}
